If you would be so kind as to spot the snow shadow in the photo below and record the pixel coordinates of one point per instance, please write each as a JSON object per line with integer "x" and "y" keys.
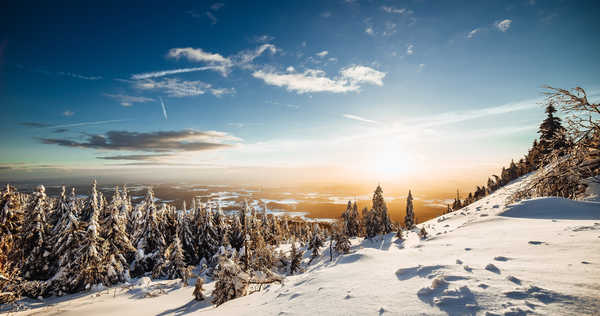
{"x": 553, "y": 208}
{"x": 186, "y": 308}
{"x": 457, "y": 301}
{"x": 381, "y": 242}
{"x": 420, "y": 271}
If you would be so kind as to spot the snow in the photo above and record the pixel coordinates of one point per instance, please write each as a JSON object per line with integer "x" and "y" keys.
{"x": 540, "y": 256}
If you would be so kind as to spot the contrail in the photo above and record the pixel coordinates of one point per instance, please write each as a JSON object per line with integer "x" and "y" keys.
{"x": 164, "y": 108}
{"x": 86, "y": 123}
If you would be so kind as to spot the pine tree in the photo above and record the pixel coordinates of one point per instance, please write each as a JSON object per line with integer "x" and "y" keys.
{"x": 231, "y": 282}
{"x": 208, "y": 241}
{"x": 88, "y": 268}
{"x": 187, "y": 237}
{"x": 381, "y": 211}
{"x": 66, "y": 239}
{"x": 315, "y": 244}
{"x": 409, "y": 220}
{"x": 342, "y": 242}
{"x": 295, "y": 258}
{"x": 92, "y": 205}
{"x": 35, "y": 231}
{"x": 552, "y": 133}
{"x": 151, "y": 242}
{"x": 117, "y": 244}
{"x": 457, "y": 203}
{"x": 423, "y": 233}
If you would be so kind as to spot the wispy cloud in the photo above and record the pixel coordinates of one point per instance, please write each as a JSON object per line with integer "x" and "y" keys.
{"x": 128, "y": 100}
{"x": 78, "y": 76}
{"x": 394, "y": 10}
{"x": 264, "y": 38}
{"x": 181, "y": 88}
{"x": 162, "y": 141}
{"x": 369, "y": 30}
{"x": 322, "y": 54}
{"x": 217, "y": 6}
{"x": 68, "y": 113}
{"x": 504, "y": 25}
{"x": 326, "y": 14}
{"x": 197, "y": 54}
{"x": 410, "y": 49}
{"x": 293, "y": 106}
{"x": 62, "y": 126}
{"x": 473, "y": 33}
{"x": 314, "y": 80}
{"x": 157, "y": 74}
{"x": 358, "y": 118}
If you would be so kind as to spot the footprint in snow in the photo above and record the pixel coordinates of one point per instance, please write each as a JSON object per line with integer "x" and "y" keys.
{"x": 513, "y": 279}
{"x": 535, "y": 242}
{"x": 492, "y": 268}
{"x": 468, "y": 269}
{"x": 501, "y": 258}
{"x": 468, "y": 249}
{"x": 458, "y": 261}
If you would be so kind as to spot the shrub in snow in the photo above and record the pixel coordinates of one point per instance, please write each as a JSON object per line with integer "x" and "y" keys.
{"x": 295, "y": 259}
{"x": 198, "y": 295}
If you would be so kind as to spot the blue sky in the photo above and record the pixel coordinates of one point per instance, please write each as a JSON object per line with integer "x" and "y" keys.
{"x": 378, "y": 90}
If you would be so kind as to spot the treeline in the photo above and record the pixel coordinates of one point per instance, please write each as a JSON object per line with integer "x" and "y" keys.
{"x": 53, "y": 246}
{"x": 564, "y": 157}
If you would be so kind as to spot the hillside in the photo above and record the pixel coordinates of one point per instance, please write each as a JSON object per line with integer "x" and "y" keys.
{"x": 539, "y": 256}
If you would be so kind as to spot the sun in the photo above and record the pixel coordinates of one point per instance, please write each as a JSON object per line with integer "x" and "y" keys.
{"x": 390, "y": 163}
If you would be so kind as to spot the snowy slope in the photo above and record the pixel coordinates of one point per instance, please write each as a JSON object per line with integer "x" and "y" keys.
{"x": 540, "y": 256}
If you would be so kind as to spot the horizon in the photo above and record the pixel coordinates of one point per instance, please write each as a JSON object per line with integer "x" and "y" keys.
{"x": 434, "y": 99}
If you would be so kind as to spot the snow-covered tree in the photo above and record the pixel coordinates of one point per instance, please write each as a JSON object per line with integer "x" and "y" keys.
{"x": 92, "y": 204}
{"x": 88, "y": 268}
{"x": 381, "y": 210}
{"x": 187, "y": 237}
{"x": 351, "y": 221}
{"x": 35, "y": 232}
{"x": 409, "y": 220}
{"x": 208, "y": 240}
{"x": 552, "y": 133}
{"x": 315, "y": 244}
{"x": 295, "y": 258}
{"x": 342, "y": 242}
{"x": 423, "y": 233}
{"x": 151, "y": 242}
{"x": 231, "y": 282}
{"x": 117, "y": 244}
{"x": 65, "y": 240}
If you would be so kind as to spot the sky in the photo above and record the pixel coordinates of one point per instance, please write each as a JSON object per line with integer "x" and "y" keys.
{"x": 275, "y": 93}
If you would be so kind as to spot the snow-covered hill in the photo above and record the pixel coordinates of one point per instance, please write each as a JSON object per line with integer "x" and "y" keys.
{"x": 540, "y": 256}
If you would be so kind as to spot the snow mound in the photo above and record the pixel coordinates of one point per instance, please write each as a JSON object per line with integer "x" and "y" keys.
{"x": 553, "y": 208}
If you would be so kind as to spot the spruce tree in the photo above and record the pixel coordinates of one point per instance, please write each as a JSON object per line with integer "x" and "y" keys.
{"x": 295, "y": 258}
{"x": 381, "y": 211}
{"x": 117, "y": 244}
{"x": 315, "y": 244}
{"x": 231, "y": 282}
{"x": 552, "y": 133}
{"x": 92, "y": 205}
{"x": 88, "y": 268}
{"x": 35, "y": 232}
{"x": 151, "y": 242}
{"x": 409, "y": 219}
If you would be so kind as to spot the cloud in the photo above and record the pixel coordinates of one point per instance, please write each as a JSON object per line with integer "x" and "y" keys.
{"x": 217, "y": 6}
{"x": 161, "y": 141}
{"x": 504, "y": 25}
{"x": 68, "y": 113}
{"x": 215, "y": 62}
{"x": 473, "y": 33}
{"x": 410, "y": 49}
{"x": 263, "y": 38}
{"x": 315, "y": 80}
{"x": 358, "y": 118}
{"x": 369, "y": 30}
{"x": 213, "y": 19}
{"x": 134, "y": 157}
{"x": 363, "y": 74}
{"x": 326, "y": 14}
{"x": 322, "y": 54}
{"x": 290, "y": 69}
{"x": 60, "y": 130}
{"x": 393, "y": 10}
{"x": 181, "y": 88}
{"x": 78, "y": 76}
{"x": 293, "y": 106}
{"x": 197, "y": 54}
{"x": 128, "y": 100}
{"x": 421, "y": 66}
{"x": 35, "y": 124}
